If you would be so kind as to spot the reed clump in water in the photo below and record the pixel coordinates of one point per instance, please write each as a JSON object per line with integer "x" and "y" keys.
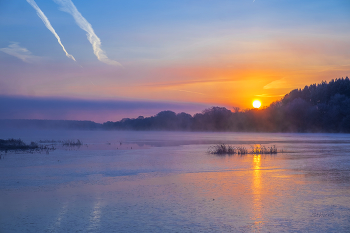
{"x": 63, "y": 142}
{"x": 72, "y": 143}
{"x": 16, "y": 144}
{"x": 223, "y": 149}
{"x": 263, "y": 150}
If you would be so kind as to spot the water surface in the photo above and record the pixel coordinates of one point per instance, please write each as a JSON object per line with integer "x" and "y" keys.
{"x": 167, "y": 182}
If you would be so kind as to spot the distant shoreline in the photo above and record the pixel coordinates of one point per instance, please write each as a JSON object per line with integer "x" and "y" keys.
{"x": 38, "y": 124}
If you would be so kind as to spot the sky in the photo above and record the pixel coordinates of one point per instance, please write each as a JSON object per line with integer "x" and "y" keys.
{"x": 109, "y": 59}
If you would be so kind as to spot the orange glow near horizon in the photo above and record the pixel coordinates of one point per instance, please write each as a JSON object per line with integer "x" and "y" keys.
{"x": 214, "y": 84}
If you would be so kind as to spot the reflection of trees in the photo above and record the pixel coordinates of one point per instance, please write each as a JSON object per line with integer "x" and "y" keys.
{"x": 316, "y": 108}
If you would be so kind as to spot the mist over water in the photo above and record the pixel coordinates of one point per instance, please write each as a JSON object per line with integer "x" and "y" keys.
{"x": 167, "y": 182}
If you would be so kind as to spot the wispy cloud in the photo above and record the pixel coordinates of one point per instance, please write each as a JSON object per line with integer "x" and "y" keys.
{"x": 280, "y": 83}
{"x": 269, "y": 96}
{"x": 187, "y": 82}
{"x": 22, "y": 53}
{"x": 69, "y": 7}
{"x": 48, "y": 25}
{"x": 189, "y": 91}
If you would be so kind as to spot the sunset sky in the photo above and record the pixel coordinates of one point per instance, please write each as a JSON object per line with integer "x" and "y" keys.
{"x": 108, "y": 59}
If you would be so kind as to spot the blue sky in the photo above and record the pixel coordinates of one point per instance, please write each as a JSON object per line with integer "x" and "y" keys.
{"x": 221, "y": 53}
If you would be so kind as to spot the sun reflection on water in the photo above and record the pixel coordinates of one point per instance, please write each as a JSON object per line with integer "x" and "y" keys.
{"x": 257, "y": 190}
{"x": 95, "y": 216}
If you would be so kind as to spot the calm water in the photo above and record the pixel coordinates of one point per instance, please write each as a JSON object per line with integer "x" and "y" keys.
{"x": 167, "y": 182}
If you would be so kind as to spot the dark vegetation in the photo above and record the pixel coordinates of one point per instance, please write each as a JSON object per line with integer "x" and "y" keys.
{"x": 16, "y": 144}
{"x": 72, "y": 143}
{"x": 19, "y": 145}
{"x": 69, "y": 143}
{"x": 324, "y": 107}
{"x": 223, "y": 149}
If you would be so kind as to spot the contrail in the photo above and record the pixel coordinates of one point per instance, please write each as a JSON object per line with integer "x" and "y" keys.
{"x": 69, "y": 7}
{"x": 48, "y": 25}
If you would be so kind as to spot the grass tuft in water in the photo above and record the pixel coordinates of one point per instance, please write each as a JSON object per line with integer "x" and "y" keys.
{"x": 223, "y": 149}
{"x": 16, "y": 144}
{"x": 72, "y": 143}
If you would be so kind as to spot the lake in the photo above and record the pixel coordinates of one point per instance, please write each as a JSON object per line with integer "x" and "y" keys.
{"x": 167, "y": 182}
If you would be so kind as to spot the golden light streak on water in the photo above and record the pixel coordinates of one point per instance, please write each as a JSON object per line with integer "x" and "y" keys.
{"x": 257, "y": 187}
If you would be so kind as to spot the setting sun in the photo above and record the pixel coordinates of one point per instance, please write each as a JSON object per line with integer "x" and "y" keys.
{"x": 256, "y": 103}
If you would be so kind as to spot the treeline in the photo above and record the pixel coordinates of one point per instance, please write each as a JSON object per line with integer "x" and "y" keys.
{"x": 324, "y": 107}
